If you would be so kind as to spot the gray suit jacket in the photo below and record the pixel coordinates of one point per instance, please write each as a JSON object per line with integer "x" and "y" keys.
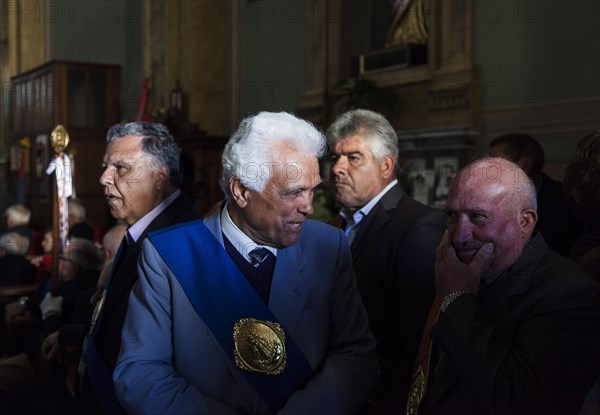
{"x": 170, "y": 363}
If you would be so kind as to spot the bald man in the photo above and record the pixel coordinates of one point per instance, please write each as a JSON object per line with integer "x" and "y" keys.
{"x": 112, "y": 239}
{"x": 518, "y": 329}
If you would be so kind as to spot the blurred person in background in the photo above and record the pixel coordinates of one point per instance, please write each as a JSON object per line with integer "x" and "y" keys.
{"x": 78, "y": 270}
{"x": 78, "y": 227}
{"x": 43, "y": 261}
{"x": 14, "y": 267}
{"x": 556, "y": 221}
{"x": 582, "y": 186}
{"x": 17, "y": 220}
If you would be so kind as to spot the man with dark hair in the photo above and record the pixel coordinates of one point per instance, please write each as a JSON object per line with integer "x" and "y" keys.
{"x": 556, "y": 221}
{"x": 141, "y": 185}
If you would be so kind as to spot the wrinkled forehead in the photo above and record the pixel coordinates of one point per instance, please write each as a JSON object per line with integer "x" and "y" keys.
{"x": 290, "y": 169}
{"x": 296, "y": 170}
{"x": 125, "y": 145}
{"x": 476, "y": 191}
{"x": 492, "y": 171}
{"x": 489, "y": 181}
{"x": 287, "y": 154}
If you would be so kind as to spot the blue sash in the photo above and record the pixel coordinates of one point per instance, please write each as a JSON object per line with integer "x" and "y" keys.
{"x": 100, "y": 377}
{"x": 221, "y": 296}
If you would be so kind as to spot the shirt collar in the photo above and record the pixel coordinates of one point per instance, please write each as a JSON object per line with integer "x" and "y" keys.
{"x": 242, "y": 242}
{"x": 358, "y": 215}
{"x": 135, "y": 231}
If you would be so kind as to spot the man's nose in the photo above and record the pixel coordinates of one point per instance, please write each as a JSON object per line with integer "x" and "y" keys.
{"x": 306, "y": 205}
{"x": 339, "y": 166}
{"x": 105, "y": 177}
{"x": 462, "y": 231}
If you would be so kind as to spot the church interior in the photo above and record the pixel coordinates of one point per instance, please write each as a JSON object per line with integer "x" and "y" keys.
{"x": 450, "y": 76}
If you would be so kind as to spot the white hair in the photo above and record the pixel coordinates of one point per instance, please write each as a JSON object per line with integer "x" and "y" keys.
{"x": 18, "y": 215}
{"x": 76, "y": 210}
{"x": 14, "y": 243}
{"x": 374, "y": 128}
{"x": 247, "y": 155}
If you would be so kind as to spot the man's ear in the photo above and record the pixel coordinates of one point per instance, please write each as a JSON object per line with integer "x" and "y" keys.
{"x": 162, "y": 176}
{"x": 387, "y": 167}
{"x": 239, "y": 192}
{"x": 527, "y": 220}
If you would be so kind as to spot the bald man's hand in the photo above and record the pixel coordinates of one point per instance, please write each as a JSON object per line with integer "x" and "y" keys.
{"x": 452, "y": 275}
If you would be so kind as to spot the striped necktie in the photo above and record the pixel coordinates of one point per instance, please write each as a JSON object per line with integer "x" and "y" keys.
{"x": 258, "y": 255}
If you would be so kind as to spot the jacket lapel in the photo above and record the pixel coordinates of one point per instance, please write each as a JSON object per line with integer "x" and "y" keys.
{"x": 213, "y": 223}
{"x": 124, "y": 277}
{"x": 289, "y": 286}
{"x": 375, "y": 220}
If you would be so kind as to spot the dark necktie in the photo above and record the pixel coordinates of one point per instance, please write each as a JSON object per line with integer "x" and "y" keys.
{"x": 258, "y": 255}
{"x": 121, "y": 254}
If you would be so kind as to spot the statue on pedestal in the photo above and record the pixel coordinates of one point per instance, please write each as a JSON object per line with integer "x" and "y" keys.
{"x": 410, "y": 24}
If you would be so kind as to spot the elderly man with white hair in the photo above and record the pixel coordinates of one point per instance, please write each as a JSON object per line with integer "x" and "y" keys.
{"x": 17, "y": 219}
{"x": 255, "y": 309}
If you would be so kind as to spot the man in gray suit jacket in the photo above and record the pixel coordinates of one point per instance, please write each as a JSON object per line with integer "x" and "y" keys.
{"x": 255, "y": 310}
{"x": 393, "y": 241}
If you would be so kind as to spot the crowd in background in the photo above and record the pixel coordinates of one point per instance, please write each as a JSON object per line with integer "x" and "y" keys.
{"x": 490, "y": 305}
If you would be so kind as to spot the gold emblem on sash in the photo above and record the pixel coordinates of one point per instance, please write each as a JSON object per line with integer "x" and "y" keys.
{"x": 417, "y": 391}
{"x": 259, "y": 346}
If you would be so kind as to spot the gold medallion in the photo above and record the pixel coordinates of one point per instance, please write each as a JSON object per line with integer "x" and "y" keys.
{"x": 417, "y": 391}
{"x": 259, "y": 346}
{"x": 59, "y": 138}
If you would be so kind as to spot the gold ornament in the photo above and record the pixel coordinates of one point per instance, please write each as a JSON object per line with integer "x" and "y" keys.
{"x": 259, "y": 346}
